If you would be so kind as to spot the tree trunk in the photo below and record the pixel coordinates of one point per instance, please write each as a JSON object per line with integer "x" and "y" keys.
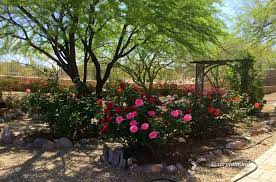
{"x": 99, "y": 88}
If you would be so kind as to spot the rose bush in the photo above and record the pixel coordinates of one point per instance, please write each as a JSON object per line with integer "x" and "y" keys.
{"x": 130, "y": 115}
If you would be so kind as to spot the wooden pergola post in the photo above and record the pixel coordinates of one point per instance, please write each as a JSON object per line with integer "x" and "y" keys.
{"x": 199, "y": 82}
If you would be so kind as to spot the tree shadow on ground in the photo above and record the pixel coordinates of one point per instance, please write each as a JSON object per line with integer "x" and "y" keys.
{"x": 80, "y": 164}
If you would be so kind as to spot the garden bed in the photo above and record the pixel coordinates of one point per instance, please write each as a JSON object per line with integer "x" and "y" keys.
{"x": 83, "y": 161}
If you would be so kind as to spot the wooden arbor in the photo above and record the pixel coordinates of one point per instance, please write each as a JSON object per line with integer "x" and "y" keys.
{"x": 203, "y": 67}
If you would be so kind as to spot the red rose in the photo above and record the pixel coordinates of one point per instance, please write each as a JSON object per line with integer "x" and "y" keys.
{"x": 132, "y": 108}
{"x": 100, "y": 102}
{"x": 118, "y": 110}
{"x": 108, "y": 118}
{"x": 211, "y": 109}
{"x": 110, "y": 105}
{"x": 106, "y": 111}
{"x": 151, "y": 100}
{"x": 104, "y": 129}
{"x": 102, "y": 120}
{"x": 190, "y": 110}
{"x": 122, "y": 85}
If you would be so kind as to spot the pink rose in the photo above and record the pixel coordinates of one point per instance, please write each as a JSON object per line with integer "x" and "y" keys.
{"x": 133, "y": 122}
{"x": 133, "y": 129}
{"x": 153, "y": 135}
{"x": 28, "y": 90}
{"x": 187, "y": 117}
{"x": 134, "y": 114}
{"x": 119, "y": 119}
{"x": 129, "y": 115}
{"x": 139, "y": 102}
{"x": 144, "y": 126}
{"x": 175, "y": 113}
{"x": 151, "y": 113}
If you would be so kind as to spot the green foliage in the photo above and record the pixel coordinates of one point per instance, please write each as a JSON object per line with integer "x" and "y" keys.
{"x": 104, "y": 31}
{"x": 258, "y": 21}
{"x": 66, "y": 113}
{"x": 253, "y": 83}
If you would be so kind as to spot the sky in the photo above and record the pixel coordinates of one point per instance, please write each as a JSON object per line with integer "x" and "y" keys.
{"x": 229, "y": 11}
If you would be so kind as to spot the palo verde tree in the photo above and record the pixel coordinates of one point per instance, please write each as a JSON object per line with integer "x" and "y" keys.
{"x": 257, "y": 22}
{"x": 102, "y": 31}
{"x": 144, "y": 65}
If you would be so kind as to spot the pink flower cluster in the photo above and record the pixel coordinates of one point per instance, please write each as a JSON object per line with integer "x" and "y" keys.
{"x": 176, "y": 113}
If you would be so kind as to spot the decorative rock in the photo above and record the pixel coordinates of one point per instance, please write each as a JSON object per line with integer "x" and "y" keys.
{"x": 84, "y": 141}
{"x": 18, "y": 113}
{"x": 7, "y": 136}
{"x": 130, "y": 161}
{"x": 123, "y": 162}
{"x": 49, "y": 146}
{"x": 269, "y": 128}
{"x": 180, "y": 167}
{"x": 229, "y": 152}
{"x": 40, "y": 142}
{"x": 217, "y": 152}
{"x": 235, "y": 145}
{"x": 35, "y": 117}
{"x": 114, "y": 157}
{"x": 171, "y": 169}
{"x": 29, "y": 146}
{"x": 9, "y": 117}
{"x": 201, "y": 159}
{"x": 64, "y": 143}
{"x": 19, "y": 143}
{"x": 105, "y": 153}
{"x": 181, "y": 140}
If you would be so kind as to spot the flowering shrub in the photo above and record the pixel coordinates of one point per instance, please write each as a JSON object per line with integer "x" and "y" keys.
{"x": 197, "y": 112}
{"x": 130, "y": 115}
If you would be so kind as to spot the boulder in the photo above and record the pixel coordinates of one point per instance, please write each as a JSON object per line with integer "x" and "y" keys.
{"x": 40, "y": 142}
{"x": 64, "y": 143}
{"x": 236, "y": 145}
{"x": 114, "y": 157}
{"x": 19, "y": 143}
{"x": 29, "y": 146}
{"x": 7, "y": 136}
{"x": 123, "y": 162}
{"x": 49, "y": 146}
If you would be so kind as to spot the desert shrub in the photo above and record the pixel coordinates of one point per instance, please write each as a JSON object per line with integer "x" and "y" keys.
{"x": 66, "y": 113}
